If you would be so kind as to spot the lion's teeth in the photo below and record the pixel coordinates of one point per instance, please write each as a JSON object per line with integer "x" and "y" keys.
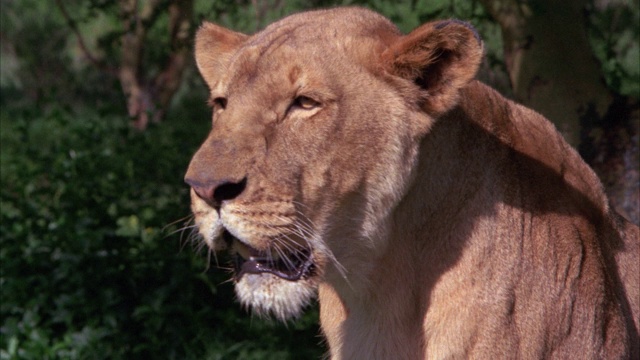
{"x": 248, "y": 252}
{"x": 242, "y": 249}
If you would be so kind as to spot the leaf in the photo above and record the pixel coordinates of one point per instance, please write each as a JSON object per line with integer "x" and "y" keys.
{"x": 128, "y": 226}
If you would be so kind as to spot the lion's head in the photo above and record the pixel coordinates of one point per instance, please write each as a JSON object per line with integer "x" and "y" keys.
{"x": 317, "y": 122}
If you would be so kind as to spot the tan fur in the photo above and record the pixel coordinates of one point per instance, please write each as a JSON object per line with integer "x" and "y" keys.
{"x": 444, "y": 220}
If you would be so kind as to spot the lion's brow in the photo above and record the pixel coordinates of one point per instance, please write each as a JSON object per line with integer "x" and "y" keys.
{"x": 272, "y": 40}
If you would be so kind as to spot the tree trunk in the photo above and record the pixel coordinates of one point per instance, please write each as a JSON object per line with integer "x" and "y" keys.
{"x": 148, "y": 96}
{"x": 552, "y": 70}
{"x": 168, "y": 81}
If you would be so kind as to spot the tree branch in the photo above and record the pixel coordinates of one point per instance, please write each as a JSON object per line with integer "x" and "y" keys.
{"x": 83, "y": 47}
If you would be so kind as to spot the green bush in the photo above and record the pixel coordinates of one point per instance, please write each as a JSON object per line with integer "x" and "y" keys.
{"x": 90, "y": 267}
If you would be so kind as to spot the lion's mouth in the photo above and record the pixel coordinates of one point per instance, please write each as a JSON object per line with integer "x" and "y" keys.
{"x": 248, "y": 260}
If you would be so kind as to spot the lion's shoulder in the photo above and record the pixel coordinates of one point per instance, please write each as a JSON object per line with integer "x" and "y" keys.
{"x": 528, "y": 143}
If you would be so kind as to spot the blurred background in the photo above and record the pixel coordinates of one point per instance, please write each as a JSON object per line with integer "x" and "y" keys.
{"x": 101, "y": 108}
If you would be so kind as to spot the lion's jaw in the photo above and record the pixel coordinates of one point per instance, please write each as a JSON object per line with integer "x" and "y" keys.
{"x": 279, "y": 279}
{"x": 280, "y": 259}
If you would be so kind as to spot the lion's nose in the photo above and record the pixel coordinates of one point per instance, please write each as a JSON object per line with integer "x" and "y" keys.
{"x": 215, "y": 192}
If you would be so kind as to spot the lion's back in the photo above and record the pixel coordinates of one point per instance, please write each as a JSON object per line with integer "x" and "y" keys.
{"x": 578, "y": 247}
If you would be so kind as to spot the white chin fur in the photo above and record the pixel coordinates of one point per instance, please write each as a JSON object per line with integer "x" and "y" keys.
{"x": 267, "y": 294}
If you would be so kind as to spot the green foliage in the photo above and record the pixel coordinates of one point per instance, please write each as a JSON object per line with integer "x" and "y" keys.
{"x": 90, "y": 269}
{"x": 615, "y": 38}
{"x": 41, "y": 61}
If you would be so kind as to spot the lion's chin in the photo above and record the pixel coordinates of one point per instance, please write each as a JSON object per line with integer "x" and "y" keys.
{"x": 279, "y": 286}
{"x": 269, "y": 295}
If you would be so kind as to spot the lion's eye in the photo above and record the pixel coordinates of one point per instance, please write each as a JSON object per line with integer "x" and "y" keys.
{"x": 218, "y": 103}
{"x": 305, "y": 103}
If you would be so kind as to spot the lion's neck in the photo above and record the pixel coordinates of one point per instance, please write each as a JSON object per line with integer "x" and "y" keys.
{"x": 369, "y": 323}
{"x": 383, "y": 310}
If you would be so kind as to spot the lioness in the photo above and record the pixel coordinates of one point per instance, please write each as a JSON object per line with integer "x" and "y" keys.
{"x": 435, "y": 218}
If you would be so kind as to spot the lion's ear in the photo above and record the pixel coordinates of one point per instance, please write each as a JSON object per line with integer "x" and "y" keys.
{"x": 441, "y": 57}
{"x": 214, "y": 47}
